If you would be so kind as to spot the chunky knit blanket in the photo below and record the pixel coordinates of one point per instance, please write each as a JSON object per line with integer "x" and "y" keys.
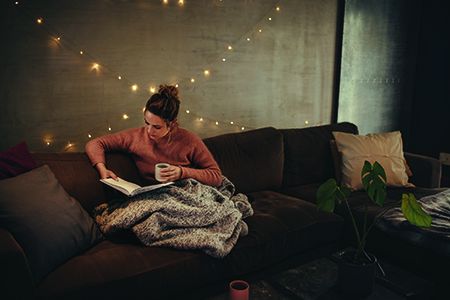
{"x": 185, "y": 215}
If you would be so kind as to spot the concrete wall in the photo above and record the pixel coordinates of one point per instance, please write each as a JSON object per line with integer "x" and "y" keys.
{"x": 282, "y": 77}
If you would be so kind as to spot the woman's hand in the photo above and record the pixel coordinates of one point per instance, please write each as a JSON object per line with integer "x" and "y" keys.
{"x": 104, "y": 172}
{"x": 171, "y": 173}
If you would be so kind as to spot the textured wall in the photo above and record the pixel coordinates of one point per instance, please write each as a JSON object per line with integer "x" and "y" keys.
{"x": 282, "y": 77}
{"x": 378, "y": 63}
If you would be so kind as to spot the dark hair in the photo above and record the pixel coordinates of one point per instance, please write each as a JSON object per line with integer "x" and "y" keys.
{"x": 165, "y": 104}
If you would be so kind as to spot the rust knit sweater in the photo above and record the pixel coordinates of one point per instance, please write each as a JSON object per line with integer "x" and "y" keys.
{"x": 180, "y": 148}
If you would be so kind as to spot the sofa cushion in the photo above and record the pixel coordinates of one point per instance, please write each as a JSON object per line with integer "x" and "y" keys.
{"x": 252, "y": 160}
{"x": 16, "y": 160}
{"x": 49, "y": 225}
{"x": 385, "y": 148}
{"x": 75, "y": 173}
{"x": 282, "y": 227}
{"x": 303, "y": 224}
{"x": 124, "y": 270}
{"x": 305, "y": 192}
{"x": 307, "y": 153}
{"x": 337, "y": 162}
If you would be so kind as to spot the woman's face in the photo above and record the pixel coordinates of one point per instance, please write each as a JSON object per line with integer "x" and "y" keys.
{"x": 155, "y": 125}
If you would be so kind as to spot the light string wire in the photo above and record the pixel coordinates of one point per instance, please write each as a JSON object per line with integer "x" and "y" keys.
{"x": 96, "y": 64}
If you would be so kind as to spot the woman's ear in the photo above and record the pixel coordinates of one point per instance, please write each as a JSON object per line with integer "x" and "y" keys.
{"x": 172, "y": 124}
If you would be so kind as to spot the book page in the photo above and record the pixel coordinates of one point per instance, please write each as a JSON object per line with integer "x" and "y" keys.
{"x": 122, "y": 185}
{"x": 150, "y": 188}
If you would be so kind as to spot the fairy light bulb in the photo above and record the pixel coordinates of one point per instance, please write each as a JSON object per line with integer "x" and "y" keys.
{"x": 89, "y": 135}
{"x": 242, "y": 128}
{"x": 278, "y": 8}
{"x": 260, "y": 30}
{"x": 187, "y": 111}
{"x": 40, "y": 21}
{"x": 217, "y": 123}
{"x": 125, "y": 116}
{"x": 306, "y": 122}
{"x": 152, "y": 89}
{"x": 192, "y": 80}
{"x": 200, "y": 119}
{"x": 95, "y": 66}
{"x": 206, "y": 72}
{"x": 230, "y": 47}
{"x": 176, "y": 85}
{"x": 270, "y": 19}
{"x": 109, "y": 128}
{"x": 248, "y": 39}
{"x": 181, "y": 2}
{"x": 47, "y": 143}
{"x": 16, "y": 3}
{"x": 81, "y": 52}
{"x": 58, "y": 38}
{"x": 224, "y": 59}
{"x": 165, "y": 1}
{"x": 134, "y": 87}
{"x": 231, "y": 122}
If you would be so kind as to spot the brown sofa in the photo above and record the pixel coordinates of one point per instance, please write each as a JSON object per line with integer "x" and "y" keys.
{"x": 279, "y": 170}
{"x": 426, "y": 256}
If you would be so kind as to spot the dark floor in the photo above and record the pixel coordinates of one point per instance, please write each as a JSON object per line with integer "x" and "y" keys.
{"x": 318, "y": 280}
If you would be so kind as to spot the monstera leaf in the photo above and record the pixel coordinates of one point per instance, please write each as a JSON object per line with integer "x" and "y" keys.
{"x": 373, "y": 178}
{"x": 328, "y": 193}
{"x": 413, "y": 212}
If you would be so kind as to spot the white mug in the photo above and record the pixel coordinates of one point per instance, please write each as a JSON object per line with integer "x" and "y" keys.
{"x": 158, "y": 168}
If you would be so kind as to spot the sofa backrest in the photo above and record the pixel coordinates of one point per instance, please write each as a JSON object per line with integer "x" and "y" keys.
{"x": 76, "y": 174}
{"x": 260, "y": 159}
{"x": 252, "y": 160}
{"x": 307, "y": 154}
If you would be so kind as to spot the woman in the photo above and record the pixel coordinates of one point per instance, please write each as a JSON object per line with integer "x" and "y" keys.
{"x": 160, "y": 140}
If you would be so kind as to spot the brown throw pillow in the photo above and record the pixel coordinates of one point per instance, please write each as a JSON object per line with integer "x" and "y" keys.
{"x": 48, "y": 223}
{"x": 386, "y": 148}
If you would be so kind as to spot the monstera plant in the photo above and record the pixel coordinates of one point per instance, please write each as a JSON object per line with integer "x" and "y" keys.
{"x": 373, "y": 178}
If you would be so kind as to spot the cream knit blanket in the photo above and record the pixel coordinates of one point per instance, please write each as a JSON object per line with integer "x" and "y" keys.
{"x": 185, "y": 215}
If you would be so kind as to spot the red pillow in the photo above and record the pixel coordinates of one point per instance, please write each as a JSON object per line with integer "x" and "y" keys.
{"x": 16, "y": 160}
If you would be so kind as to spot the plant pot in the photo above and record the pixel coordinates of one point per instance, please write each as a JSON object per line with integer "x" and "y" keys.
{"x": 356, "y": 278}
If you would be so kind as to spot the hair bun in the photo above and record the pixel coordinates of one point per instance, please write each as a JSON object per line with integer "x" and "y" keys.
{"x": 168, "y": 91}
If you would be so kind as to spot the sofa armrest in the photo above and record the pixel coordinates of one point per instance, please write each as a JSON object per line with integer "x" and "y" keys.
{"x": 15, "y": 276}
{"x": 426, "y": 170}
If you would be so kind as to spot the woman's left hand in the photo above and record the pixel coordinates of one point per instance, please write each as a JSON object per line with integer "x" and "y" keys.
{"x": 170, "y": 173}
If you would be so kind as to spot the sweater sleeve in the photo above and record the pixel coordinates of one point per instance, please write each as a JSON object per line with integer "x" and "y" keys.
{"x": 205, "y": 169}
{"x": 96, "y": 148}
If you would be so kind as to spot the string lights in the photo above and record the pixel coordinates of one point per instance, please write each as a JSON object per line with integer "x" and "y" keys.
{"x": 95, "y": 66}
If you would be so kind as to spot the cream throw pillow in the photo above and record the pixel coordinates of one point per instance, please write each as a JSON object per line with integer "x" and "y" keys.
{"x": 386, "y": 148}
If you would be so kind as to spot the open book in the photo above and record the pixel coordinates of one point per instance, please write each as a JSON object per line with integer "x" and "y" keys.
{"x": 132, "y": 189}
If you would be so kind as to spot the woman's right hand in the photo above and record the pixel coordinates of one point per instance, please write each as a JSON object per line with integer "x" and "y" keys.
{"x": 104, "y": 172}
